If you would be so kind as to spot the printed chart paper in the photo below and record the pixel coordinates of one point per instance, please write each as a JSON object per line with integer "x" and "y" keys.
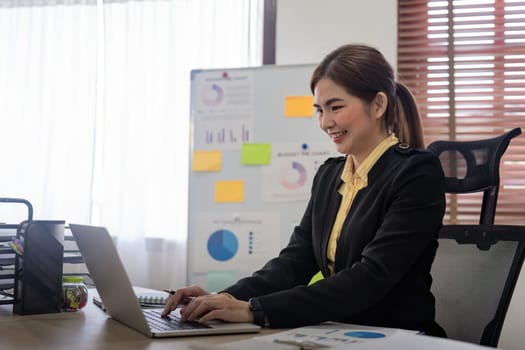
{"x": 340, "y": 336}
{"x": 229, "y": 242}
{"x": 223, "y": 109}
{"x": 292, "y": 169}
{"x": 337, "y": 336}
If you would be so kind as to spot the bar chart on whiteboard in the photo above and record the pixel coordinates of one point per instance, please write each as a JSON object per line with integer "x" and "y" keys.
{"x": 224, "y": 133}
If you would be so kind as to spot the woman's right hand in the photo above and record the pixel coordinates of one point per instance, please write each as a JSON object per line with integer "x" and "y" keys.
{"x": 182, "y": 294}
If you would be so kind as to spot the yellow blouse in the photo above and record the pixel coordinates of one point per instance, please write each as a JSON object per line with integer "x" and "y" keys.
{"x": 353, "y": 181}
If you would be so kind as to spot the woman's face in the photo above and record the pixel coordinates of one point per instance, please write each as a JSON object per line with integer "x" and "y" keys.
{"x": 353, "y": 125}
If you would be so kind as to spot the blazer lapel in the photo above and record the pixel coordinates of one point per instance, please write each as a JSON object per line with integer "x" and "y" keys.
{"x": 333, "y": 207}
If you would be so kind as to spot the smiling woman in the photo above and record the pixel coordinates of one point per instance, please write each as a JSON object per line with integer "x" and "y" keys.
{"x": 370, "y": 225}
{"x": 352, "y": 125}
{"x": 364, "y": 74}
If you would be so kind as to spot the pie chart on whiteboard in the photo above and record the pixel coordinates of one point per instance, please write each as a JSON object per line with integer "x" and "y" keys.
{"x": 212, "y": 95}
{"x": 223, "y": 245}
{"x": 293, "y": 175}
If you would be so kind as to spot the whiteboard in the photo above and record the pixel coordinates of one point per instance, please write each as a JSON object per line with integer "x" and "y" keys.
{"x": 240, "y": 215}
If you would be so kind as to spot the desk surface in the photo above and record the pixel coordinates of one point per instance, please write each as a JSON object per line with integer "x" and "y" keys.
{"x": 90, "y": 328}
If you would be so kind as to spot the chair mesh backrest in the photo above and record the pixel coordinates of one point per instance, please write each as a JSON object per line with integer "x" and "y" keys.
{"x": 473, "y": 166}
{"x": 468, "y": 284}
{"x": 472, "y": 284}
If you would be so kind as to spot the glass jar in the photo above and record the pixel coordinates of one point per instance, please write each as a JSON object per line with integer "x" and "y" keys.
{"x": 75, "y": 293}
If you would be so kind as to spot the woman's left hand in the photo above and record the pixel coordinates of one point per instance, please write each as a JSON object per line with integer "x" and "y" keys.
{"x": 217, "y": 306}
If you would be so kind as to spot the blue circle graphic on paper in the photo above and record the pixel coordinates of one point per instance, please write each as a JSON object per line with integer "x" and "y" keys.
{"x": 365, "y": 335}
{"x": 222, "y": 245}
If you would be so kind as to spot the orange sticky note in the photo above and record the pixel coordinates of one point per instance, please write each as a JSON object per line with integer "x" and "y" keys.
{"x": 298, "y": 106}
{"x": 230, "y": 191}
{"x": 206, "y": 161}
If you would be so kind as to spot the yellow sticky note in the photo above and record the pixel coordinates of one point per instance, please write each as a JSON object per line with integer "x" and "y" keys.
{"x": 206, "y": 161}
{"x": 256, "y": 153}
{"x": 230, "y": 191}
{"x": 298, "y": 106}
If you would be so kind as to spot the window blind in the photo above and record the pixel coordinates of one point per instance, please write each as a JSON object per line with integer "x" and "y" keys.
{"x": 464, "y": 61}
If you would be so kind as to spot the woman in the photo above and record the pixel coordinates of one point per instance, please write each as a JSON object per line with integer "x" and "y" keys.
{"x": 371, "y": 223}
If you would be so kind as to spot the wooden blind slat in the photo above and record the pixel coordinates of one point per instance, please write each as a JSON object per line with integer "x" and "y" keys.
{"x": 485, "y": 76}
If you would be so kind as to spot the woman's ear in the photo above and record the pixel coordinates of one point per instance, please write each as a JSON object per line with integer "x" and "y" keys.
{"x": 379, "y": 105}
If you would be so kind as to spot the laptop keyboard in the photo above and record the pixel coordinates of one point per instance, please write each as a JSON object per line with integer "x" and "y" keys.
{"x": 170, "y": 323}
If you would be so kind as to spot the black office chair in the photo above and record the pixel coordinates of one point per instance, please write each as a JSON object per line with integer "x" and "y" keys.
{"x": 476, "y": 266}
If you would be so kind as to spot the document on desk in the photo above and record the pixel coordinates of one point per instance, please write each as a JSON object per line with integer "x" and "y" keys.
{"x": 332, "y": 335}
{"x": 341, "y": 336}
{"x": 250, "y": 344}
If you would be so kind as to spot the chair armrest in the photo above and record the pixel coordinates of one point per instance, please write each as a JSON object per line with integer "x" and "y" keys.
{"x": 484, "y": 236}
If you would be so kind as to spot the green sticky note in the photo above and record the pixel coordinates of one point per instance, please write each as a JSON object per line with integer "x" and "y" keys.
{"x": 256, "y": 153}
{"x": 220, "y": 279}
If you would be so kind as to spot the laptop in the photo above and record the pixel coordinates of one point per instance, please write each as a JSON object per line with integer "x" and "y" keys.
{"x": 115, "y": 289}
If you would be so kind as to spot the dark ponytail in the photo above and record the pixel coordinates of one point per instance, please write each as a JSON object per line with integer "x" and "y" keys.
{"x": 406, "y": 123}
{"x": 363, "y": 72}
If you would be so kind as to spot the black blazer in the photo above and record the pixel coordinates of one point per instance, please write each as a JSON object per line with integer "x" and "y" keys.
{"x": 384, "y": 253}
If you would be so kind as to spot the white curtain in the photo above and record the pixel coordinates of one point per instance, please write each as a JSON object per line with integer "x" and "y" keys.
{"x": 47, "y": 114}
{"x": 95, "y": 122}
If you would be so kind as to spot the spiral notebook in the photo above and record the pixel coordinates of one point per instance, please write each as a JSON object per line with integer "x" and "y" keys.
{"x": 152, "y": 300}
{"x": 146, "y": 300}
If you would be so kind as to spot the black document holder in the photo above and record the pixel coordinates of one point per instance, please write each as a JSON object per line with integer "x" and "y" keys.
{"x": 38, "y": 272}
